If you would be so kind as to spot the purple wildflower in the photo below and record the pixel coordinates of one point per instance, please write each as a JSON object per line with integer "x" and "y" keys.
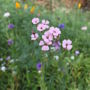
{"x": 10, "y": 42}
{"x": 57, "y": 44}
{"x": 39, "y": 66}
{"x": 11, "y": 26}
{"x": 8, "y": 58}
{"x": 77, "y": 52}
{"x": 62, "y": 26}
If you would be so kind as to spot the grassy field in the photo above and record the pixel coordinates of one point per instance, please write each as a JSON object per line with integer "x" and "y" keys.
{"x": 23, "y": 63}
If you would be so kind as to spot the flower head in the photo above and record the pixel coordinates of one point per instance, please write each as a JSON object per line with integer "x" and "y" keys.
{"x": 56, "y": 57}
{"x": 84, "y": 28}
{"x": 10, "y": 42}
{"x": 35, "y": 20}
{"x": 39, "y": 65}
{"x": 18, "y": 5}
{"x": 3, "y": 68}
{"x": 79, "y": 5}
{"x": 47, "y": 37}
{"x": 25, "y": 6}
{"x": 62, "y": 26}
{"x": 7, "y": 14}
{"x": 77, "y": 52}
{"x": 45, "y": 48}
{"x": 41, "y": 43}
{"x": 40, "y": 27}
{"x": 57, "y": 44}
{"x": 55, "y": 32}
{"x": 1, "y": 59}
{"x": 8, "y": 58}
{"x": 67, "y": 44}
{"x": 45, "y": 23}
{"x": 11, "y": 26}
{"x": 34, "y": 36}
{"x": 32, "y": 10}
{"x": 72, "y": 57}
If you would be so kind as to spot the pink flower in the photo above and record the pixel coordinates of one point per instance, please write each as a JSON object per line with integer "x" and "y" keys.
{"x": 49, "y": 43}
{"x": 45, "y": 23}
{"x": 67, "y": 44}
{"x": 55, "y": 31}
{"x": 34, "y": 36}
{"x": 35, "y": 20}
{"x": 47, "y": 37}
{"x": 41, "y": 43}
{"x": 51, "y": 30}
{"x": 69, "y": 47}
{"x": 40, "y": 27}
{"x": 45, "y": 48}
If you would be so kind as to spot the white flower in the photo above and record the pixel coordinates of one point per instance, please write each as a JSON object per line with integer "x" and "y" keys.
{"x": 56, "y": 57}
{"x": 12, "y": 61}
{"x": 3, "y": 68}
{"x": 53, "y": 49}
{"x": 84, "y": 28}
{"x": 39, "y": 71}
{"x": 1, "y": 59}
{"x": 72, "y": 57}
{"x": 7, "y": 14}
{"x": 67, "y": 64}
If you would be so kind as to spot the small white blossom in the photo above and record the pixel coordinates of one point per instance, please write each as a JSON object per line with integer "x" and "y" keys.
{"x": 72, "y": 57}
{"x": 39, "y": 71}
{"x": 1, "y": 59}
{"x": 3, "y": 68}
{"x": 84, "y": 28}
{"x": 7, "y": 14}
{"x": 12, "y": 61}
{"x": 53, "y": 49}
{"x": 56, "y": 57}
{"x": 67, "y": 64}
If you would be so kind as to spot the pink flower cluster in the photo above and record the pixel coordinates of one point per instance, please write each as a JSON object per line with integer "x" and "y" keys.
{"x": 48, "y": 38}
{"x": 49, "y": 35}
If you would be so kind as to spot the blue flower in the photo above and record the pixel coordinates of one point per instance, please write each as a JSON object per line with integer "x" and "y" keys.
{"x": 39, "y": 66}
{"x": 10, "y": 42}
{"x": 62, "y": 26}
{"x": 77, "y": 52}
{"x": 8, "y": 58}
{"x": 11, "y": 26}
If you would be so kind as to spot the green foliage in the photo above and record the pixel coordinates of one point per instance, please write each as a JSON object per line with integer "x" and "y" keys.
{"x": 63, "y": 74}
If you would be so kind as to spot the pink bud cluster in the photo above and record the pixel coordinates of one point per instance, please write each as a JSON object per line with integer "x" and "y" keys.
{"x": 49, "y": 35}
